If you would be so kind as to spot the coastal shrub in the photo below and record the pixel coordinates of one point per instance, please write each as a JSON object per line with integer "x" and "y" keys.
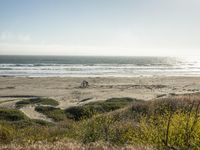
{"x": 37, "y": 101}
{"x": 169, "y": 104}
{"x": 11, "y": 115}
{"x": 79, "y": 112}
{"x": 90, "y": 109}
{"x": 6, "y": 133}
{"x": 106, "y": 128}
{"x": 51, "y": 112}
{"x": 111, "y": 104}
{"x": 86, "y": 110}
{"x": 167, "y": 123}
{"x": 41, "y": 122}
{"x": 164, "y": 105}
{"x": 172, "y": 126}
{"x": 178, "y": 134}
{"x": 149, "y": 130}
{"x": 30, "y": 134}
{"x": 92, "y": 130}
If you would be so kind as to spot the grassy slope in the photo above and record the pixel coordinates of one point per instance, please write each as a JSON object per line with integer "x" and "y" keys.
{"x": 120, "y": 122}
{"x": 11, "y": 115}
{"x": 90, "y": 109}
{"x": 51, "y": 112}
{"x": 85, "y": 111}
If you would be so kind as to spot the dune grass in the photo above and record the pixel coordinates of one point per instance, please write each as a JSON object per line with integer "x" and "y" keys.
{"x": 36, "y": 101}
{"x": 165, "y": 123}
{"x": 11, "y": 115}
{"x": 16, "y": 126}
{"x": 18, "y": 118}
{"x": 168, "y": 123}
{"x": 51, "y": 112}
{"x": 85, "y": 111}
{"x": 90, "y": 109}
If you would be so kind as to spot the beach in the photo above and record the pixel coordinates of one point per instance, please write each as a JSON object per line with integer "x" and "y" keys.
{"x": 67, "y": 90}
{"x": 59, "y": 78}
{"x": 93, "y": 75}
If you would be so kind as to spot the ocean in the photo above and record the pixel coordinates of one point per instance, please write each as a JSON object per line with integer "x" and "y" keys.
{"x": 80, "y": 66}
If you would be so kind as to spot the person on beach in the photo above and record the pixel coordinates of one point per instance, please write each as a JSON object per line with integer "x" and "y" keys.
{"x": 84, "y": 84}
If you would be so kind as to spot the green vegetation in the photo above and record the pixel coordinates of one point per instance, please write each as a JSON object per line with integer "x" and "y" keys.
{"x": 85, "y": 111}
{"x": 18, "y": 118}
{"x": 11, "y": 115}
{"x": 51, "y": 112}
{"x": 15, "y": 126}
{"x": 111, "y": 104}
{"x": 167, "y": 123}
{"x": 90, "y": 109}
{"x": 38, "y": 101}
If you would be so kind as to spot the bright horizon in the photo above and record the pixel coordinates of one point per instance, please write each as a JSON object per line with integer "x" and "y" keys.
{"x": 105, "y": 28}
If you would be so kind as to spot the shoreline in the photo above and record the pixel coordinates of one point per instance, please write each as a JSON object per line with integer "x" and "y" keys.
{"x": 100, "y": 76}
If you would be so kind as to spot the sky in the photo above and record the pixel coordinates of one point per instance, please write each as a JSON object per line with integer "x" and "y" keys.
{"x": 100, "y": 27}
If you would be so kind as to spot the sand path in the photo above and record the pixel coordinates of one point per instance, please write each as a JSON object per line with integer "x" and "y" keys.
{"x": 31, "y": 113}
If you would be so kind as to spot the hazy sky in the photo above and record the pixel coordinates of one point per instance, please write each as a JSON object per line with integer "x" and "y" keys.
{"x": 100, "y": 27}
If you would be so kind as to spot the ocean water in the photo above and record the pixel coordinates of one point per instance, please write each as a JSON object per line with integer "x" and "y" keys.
{"x": 64, "y": 66}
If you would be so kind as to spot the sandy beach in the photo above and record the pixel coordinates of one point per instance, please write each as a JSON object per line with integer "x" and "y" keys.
{"x": 68, "y": 92}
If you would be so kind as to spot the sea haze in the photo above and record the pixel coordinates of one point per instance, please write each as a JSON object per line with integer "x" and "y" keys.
{"x": 64, "y": 66}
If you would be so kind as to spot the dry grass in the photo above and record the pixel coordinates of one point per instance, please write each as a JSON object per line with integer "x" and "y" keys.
{"x": 64, "y": 145}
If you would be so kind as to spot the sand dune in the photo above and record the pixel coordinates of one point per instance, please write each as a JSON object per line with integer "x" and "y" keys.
{"x": 68, "y": 93}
